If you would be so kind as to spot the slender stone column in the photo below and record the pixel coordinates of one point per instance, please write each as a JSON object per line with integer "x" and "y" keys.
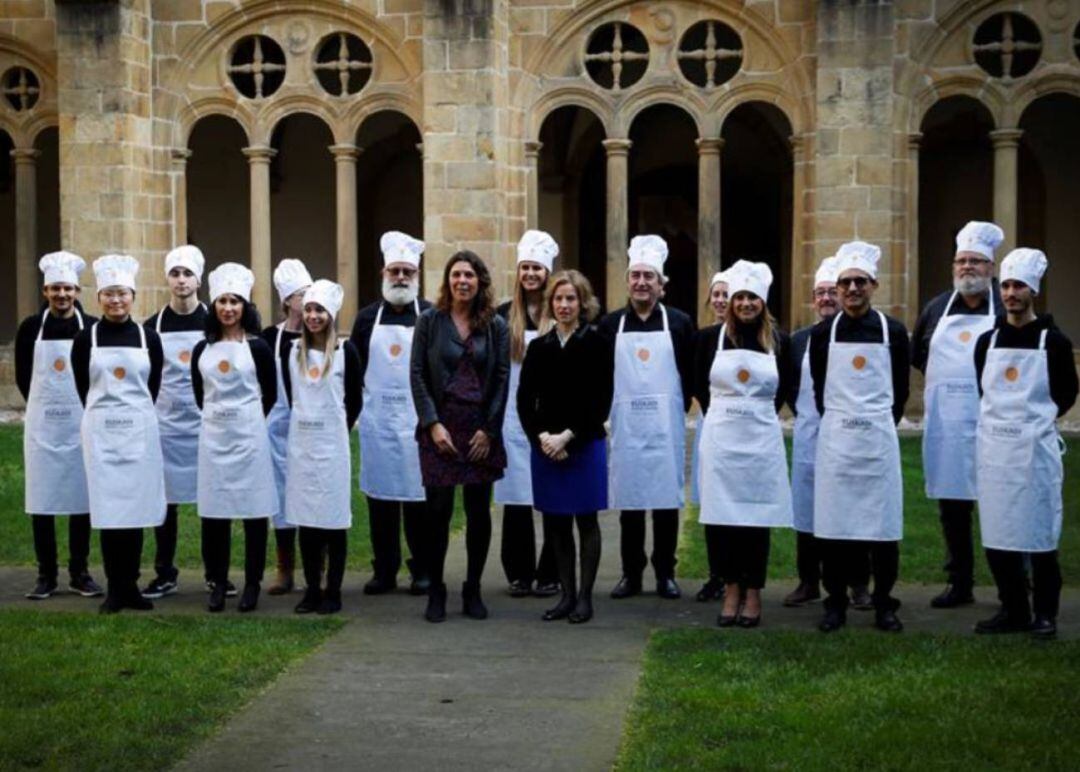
{"x": 532, "y": 183}
{"x": 26, "y": 274}
{"x": 259, "y": 158}
{"x": 708, "y": 216}
{"x": 913, "y": 222}
{"x": 348, "y": 270}
{"x": 1006, "y": 162}
{"x": 180, "y": 156}
{"x": 617, "y": 228}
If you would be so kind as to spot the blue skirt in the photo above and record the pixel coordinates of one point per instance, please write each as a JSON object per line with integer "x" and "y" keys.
{"x": 574, "y": 486}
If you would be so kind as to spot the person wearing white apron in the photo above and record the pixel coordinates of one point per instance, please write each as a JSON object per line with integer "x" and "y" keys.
{"x": 181, "y": 324}
{"x": 234, "y": 380}
{"x": 654, "y": 353}
{"x": 942, "y": 346}
{"x": 52, "y": 449}
{"x": 389, "y": 457}
{"x": 291, "y": 279}
{"x": 741, "y": 383}
{"x": 859, "y": 365}
{"x": 117, "y": 366}
{"x": 1027, "y": 380}
{"x": 536, "y": 253}
{"x": 323, "y": 388}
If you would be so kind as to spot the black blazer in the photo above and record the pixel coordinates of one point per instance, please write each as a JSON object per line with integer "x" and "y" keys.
{"x": 436, "y": 351}
{"x": 567, "y": 387}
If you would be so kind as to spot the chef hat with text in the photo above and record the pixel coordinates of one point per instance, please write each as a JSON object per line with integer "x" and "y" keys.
{"x": 980, "y": 237}
{"x": 327, "y": 294}
{"x": 231, "y": 279}
{"x": 1026, "y": 265}
{"x": 290, "y": 276}
{"x": 745, "y": 276}
{"x": 398, "y": 247}
{"x": 719, "y": 276}
{"x": 649, "y": 251}
{"x": 186, "y": 256}
{"x": 61, "y": 268}
{"x": 537, "y": 247}
{"x": 827, "y": 272}
{"x": 116, "y": 271}
{"x": 860, "y": 256}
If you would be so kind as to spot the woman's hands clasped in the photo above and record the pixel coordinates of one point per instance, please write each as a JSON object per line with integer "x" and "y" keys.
{"x": 554, "y": 445}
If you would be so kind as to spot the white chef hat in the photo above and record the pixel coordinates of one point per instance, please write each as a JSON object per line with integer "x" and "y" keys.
{"x": 537, "y": 247}
{"x": 186, "y": 256}
{"x": 290, "y": 276}
{"x": 327, "y": 294}
{"x": 980, "y": 237}
{"x": 1026, "y": 265}
{"x": 231, "y": 279}
{"x": 827, "y": 272}
{"x": 116, "y": 271}
{"x": 61, "y": 268}
{"x": 858, "y": 255}
{"x": 650, "y": 251}
{"x": 398, "y": 247}
{"x": 745, "y": 276}
{"x": 719, "y": 276}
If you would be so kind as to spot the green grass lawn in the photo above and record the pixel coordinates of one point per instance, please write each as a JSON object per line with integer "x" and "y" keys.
{"x": 793, "y": 700}
{"x": 922, "y": 552}
{"x": 83, "y": 691}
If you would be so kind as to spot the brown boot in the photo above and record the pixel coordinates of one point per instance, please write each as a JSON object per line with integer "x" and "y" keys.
{"x": 286, "y": 560}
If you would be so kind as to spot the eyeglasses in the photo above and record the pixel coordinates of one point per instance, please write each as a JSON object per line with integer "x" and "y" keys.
{"x": 972, "y": 261}
{"x": 825, "y": 293}
{"x": 408, "y": 273}
{"x": 852, "y": 281}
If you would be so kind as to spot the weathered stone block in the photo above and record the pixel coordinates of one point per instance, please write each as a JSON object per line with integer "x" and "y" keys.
{"x": 865, "y": 141}
{"x": 474, "y": 174}
{"x": 468, "y": 228}
{"x": 871, "y": 170}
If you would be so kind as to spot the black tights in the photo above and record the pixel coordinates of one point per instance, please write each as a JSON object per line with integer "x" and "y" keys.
{"x": 312, "y": 543}
{"x": 440, "y": 510}
{"x": 560, "y": 530}
{"x": 121, "y": 552}
{"x": 217, "y": 545}
{"x": 44, "y": 527}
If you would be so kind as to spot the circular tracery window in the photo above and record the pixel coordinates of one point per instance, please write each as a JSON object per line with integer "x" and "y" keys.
{"x": 257, "y": 66}
{"x": 616, "y": 55}
{"x": 710, "y": 53}
{"x": 1007, "y": 45}
{"x": 343, "y": 64}
{"x": 21, "y": 88}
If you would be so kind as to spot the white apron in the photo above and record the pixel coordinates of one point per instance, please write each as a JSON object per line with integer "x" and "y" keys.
{"x": 235, "y": 478}
{"x": 52, "y": 448}
{"x": 648, "y": 428}
{"x": 695, "y": 461}
{"x": 744, "y": 476}
{"x": 121, "y": 444}
{"x": 277, "y": 428}
{"x": 803, "y": 449}
{"x": 516, "y": 485}
{"x": 318, "y": 493}
{"x": 858, "y": 490}
{"x": 1018, "y": 452}
{"x": 952, "y": 404}
{"x": 389, "y": 455}
{"x": 178, "y": 415}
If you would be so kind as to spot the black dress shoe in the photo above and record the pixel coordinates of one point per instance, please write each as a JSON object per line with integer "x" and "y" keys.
{"x": 111, "y": 605}
{"x": 436, "y": 603}
{"x": 1002, "y": 622}
{"x": 626, "y": 588}
{"x": 832, "y": 621}
{"x": 546, "y": 589}
{"x": 711, "y": 590}
{"x": 801, "y": 595}
{"x": 560, "y": 610}
{"x": 888, "y": 622}
{"x": 216, "y": 602}
{"x": 472, "y": 605}
{"x": 861, "y": 600}
{"x": 380, "y": 585}
{"x": 727, "y": 620}
{"x": 1044, "y": 628}
{"x": 419, "y": 585}
{"x": 952, "y": 597}
{"x": 667, "y": 589}
{"x": 519, "y": 589}
{"x": 582, "y": 612}
{"x": 136, "y": 602}
{"x": 331, "y": 603}
{"x": 311, "y": 601}
{"x": 745, "y": 621}
{"x": 250, "y": 599}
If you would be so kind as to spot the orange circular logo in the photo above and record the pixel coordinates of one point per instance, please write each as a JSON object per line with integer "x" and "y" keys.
{"x": 313, "y": 372}
{"x": 859, "y": 362}
{"x": 395, "y": 350}
{"x": 185, "y": 356}
{"x": 1011, "y": 374}
{"x": 223, "y": 366}
{"x": 743, "y": 376}
{"x": 119, "y": 372}
{"x": 965, "y": 336}
{"x": 59, "y": 365}
{"x": 643, "y": 354}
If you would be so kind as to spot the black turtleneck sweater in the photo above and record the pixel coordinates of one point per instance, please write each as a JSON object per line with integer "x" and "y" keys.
{"x": 1059, "y": 356}
{"x": 746, "y": 336}
{"x": 112, "y": 334}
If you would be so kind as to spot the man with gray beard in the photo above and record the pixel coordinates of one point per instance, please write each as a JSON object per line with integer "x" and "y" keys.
{"x": 389, "y": 455}
{"x": 943, "y": 349}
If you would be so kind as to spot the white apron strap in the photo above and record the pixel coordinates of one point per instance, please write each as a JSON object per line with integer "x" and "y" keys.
{"x": 1042, "y": 340}
{"x": 93, "y": 335}
{"x": 884, "y": 328}
{"x": 723, "y": 334}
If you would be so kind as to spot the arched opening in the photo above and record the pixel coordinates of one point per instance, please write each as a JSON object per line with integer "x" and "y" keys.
{"x": 571, "y": 191}
{"x": 389, "y": 191}
{"x": 8, "y": 320}
{"x": 47, "y": 143}
{"x": 956, "y": 184}
{"x": 218, "y": 192}
{"x": 756, "y": 178}
{"x": 663, "y": 195}
{"x": 1049, "y": 200}
{"x": 302, "y": 195}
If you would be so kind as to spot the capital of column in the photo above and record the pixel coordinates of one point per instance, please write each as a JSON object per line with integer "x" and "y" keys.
{"x": 709, "y": 145}
{"x": 345, "y": 153}
{"x": 25, "y": 155}
{"x": 616, "y": 147}
{"x": 259, "y": 154}
{"x": 179, "y": 157}
{"x": 914, "y": 140}
{"x": 532, "y": 149}
{"x": 1006, "y": 138}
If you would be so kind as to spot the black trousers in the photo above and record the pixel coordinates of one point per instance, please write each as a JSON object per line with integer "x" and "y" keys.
{"x": 217, "y": 547}
{"x": 313, "y": 542}
{"x": 439, "y": 512}
{"x": 165, "y": 544}
{"x": 518, "y": 549}
{"x": 740, "y": 554}
{"x": 959, "y": 548}
{"x": 808, "y": 562}
{"x": 384, "y": 520}
{"x": 843, "y": 561}
{"x": 665, "y": 528}
{"x": 44, "y": 528}
{"x": 1011, "y": 580}
{"x": 121, "y": 553}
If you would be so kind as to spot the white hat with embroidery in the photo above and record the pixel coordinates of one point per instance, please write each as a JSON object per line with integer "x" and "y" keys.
{"x": 327, "y": 294}
{"x": 231, "y": 279}
{"x": 745, "y": 276}
{"x": 116, "y": 271}
{"x": 398, "y": 247}
{"x": 980, "y": 237}
{"x": 537, "y": 247}
{"x": 858, "y": 255}
{"x": 648, "y": 251}
{"x": 186, "y": 256}
{"x": 61, "y": 268}
{"x": 1026, "y": 265}
{"x": 290, "y": 276}
{"x": 827, "y": 272}
{"x": 719, "y": 276}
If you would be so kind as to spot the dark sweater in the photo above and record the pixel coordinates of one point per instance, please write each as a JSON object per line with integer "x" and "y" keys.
{"x": 111, "y": 334}
{"x": 264, "y": 370}
{"x": 800, "y": 340}
{"x": 932, "y": 313}
{"x": 1059, "y": 356}
{"x": 354, "y": 389}
{"x": 174, "y": 322}
{"x": 26, "y": 337}
{"x": 708, "y": 342}
{"x": 270, "y": 336}
{"x": 365, "y": 323}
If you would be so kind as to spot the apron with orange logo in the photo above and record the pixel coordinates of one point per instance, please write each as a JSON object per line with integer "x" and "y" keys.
{"x": 178, "y": 415}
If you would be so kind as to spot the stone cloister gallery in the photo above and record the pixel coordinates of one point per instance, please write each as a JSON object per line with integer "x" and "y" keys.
{"x": 767, "y": 129}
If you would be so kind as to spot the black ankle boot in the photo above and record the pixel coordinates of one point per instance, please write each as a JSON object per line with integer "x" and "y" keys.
{"x": 471, "y": 604}
{"x": 311, "y": 601}
{"x": 436, "y": 603}
{"x": 250, "y": 598}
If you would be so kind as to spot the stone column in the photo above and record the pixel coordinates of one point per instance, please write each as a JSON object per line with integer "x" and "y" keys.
{"x": 1006, "y": 161}
{"x": 532, "y": 183}
{"x": 26, "y": 273}
{"x": 259, "y": 158}
{"x": 348, "y": 271}
{"x": 913, "y": 221}
{"x": 617, "y": 228}
{"x": 708, "y": 216}
{"x": 179, "y": 156}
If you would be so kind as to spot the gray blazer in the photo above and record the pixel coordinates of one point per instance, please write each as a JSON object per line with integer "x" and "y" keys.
{"x": 436, "y": 351}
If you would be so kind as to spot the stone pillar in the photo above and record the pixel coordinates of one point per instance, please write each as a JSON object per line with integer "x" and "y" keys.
{"x": 708, "y": 217}
{"x": 913, "y": 220}
{"x": 26, "y": 257}
{"x": 259, "y": 158}
{"x": 617, "y": 228}
{"x": 180, "y": 156}
{"x": 532, "y": 183}
{"x": 1006, "y": 162}
{"x": 803, "y": 265}
{"x": 348, "y": 271}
